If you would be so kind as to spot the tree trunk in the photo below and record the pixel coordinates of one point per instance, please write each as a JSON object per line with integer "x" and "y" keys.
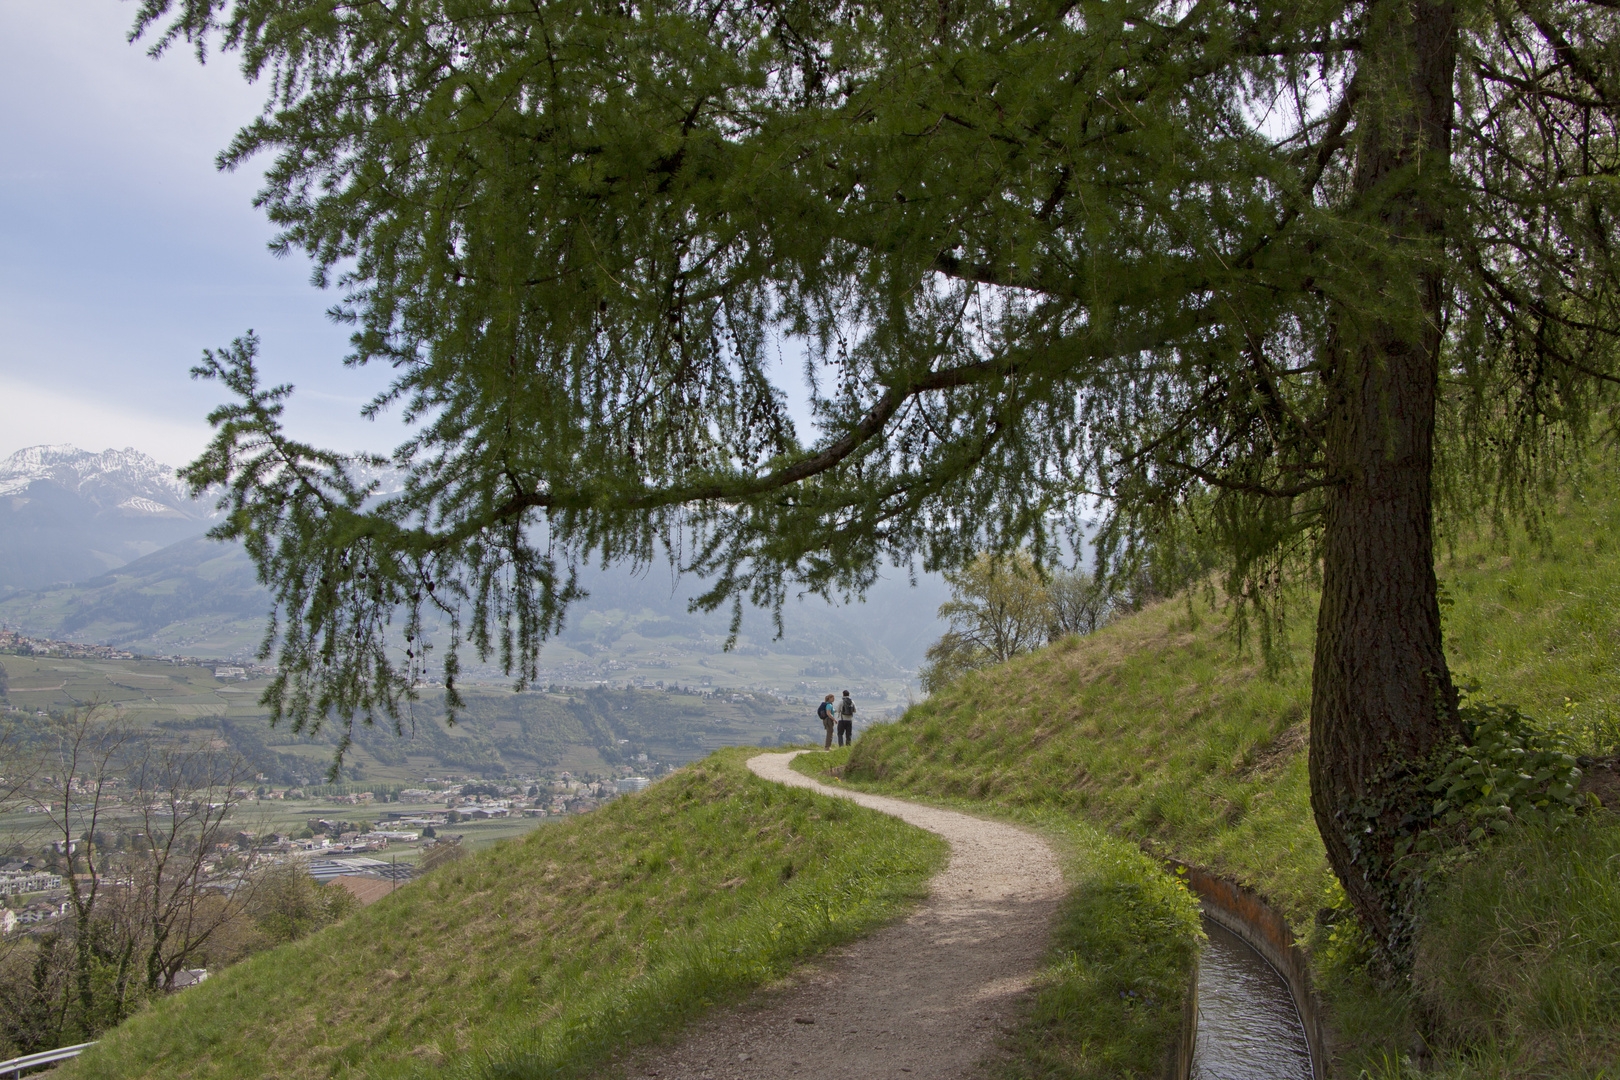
{"x": 83, "y": 909}
{"x": 1382, "y": 698}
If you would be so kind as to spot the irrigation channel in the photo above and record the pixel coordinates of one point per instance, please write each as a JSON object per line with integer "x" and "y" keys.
{"x": 927, "y": 996}
{"x": 1248, "y": 1025}
{"x": 1253, "y": 1015}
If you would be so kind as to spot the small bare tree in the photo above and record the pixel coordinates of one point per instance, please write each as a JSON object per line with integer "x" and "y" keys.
{"x": 74, "y": 785}
{"x": 136, "y": 917}
{"x": 184, "y": 794}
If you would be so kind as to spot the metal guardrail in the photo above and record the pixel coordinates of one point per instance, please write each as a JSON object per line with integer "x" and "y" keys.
{"x": 15, "y": 1066}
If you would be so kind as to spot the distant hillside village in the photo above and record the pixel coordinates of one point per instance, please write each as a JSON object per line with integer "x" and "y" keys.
{"x": 34, "y": 895}
{"x": 19, "y": 644}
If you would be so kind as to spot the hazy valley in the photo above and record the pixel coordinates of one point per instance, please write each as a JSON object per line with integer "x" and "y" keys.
{"x": 142, "y": 578}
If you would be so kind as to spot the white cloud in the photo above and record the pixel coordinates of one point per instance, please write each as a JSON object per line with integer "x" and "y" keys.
{"x": 32, "y": 415}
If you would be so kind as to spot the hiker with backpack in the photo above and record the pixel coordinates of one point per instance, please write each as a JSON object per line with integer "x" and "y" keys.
{"x": 846, "y": 720}
{"x": 825, "y": 711}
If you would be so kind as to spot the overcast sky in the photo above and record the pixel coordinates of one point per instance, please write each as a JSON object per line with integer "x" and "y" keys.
{"x": 124, "y": 252}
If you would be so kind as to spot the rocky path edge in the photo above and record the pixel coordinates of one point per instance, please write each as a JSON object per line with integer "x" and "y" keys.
{"x": 924, "y": 999}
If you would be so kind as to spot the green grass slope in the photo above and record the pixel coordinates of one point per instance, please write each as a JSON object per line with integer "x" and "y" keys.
{"x": 1108, "y": 1002}
{"x": 545, "y": 956}
{"x": 1155, "y": 727}
{"x": 1161, "y": 730}
{"x": 1536, "y": 620}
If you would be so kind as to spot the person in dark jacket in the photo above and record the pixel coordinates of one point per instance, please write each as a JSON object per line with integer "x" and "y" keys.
{"x": 825, "y": 711}
{"x": 846, "y": 720}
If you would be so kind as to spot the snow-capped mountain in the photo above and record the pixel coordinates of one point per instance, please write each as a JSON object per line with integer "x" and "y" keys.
{"x": 124, "y": 479}
{"x": 68, "y": 514}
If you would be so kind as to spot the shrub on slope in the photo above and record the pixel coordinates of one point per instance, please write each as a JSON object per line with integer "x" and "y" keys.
{"x": 543, "y": 956}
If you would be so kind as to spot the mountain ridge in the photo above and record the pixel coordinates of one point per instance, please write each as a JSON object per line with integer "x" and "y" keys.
{"x": 68, "y": 514}
{"x": 122, "y": 474}
{"x": 83, "y": 558}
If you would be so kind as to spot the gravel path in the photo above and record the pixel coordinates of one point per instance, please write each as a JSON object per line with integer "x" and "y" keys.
{"x": 921, "y": 1000}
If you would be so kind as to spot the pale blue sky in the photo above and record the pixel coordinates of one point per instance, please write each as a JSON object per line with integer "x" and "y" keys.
{"x": 124, "y": 252}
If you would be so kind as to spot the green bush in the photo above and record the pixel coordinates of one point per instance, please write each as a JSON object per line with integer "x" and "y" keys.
{"x": 1504, "y": 770}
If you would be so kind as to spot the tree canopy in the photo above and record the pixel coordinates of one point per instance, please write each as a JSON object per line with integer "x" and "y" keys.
{"x": 1300, "y": 270}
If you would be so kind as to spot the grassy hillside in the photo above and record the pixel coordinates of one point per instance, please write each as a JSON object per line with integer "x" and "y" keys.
{"x": 1536, "y": 619}
{"x": 543, "y": 956}
{"x": 194, "y": 596}
{"x": 1155, "y": 727}
{"x": 1162, "y": 730}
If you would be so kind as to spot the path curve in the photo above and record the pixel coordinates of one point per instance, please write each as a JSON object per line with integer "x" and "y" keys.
{"x": 924, "y": 999}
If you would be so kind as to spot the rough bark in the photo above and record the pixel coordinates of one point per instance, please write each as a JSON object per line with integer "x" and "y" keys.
{"x": 1382, "y": 699}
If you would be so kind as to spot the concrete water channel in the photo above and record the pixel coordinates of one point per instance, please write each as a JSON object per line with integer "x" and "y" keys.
{"x": 1248, "y": 1025}
{"x": 1253, "y": 1015}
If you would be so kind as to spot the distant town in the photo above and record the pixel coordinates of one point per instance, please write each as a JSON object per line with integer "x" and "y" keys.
{"x": 358, "y": 855}
{"x": 363, "y": 839}
{"x": 19, "y": 644}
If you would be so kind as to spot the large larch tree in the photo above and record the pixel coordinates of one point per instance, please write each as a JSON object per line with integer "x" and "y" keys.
{"x": 1305, "y": 270}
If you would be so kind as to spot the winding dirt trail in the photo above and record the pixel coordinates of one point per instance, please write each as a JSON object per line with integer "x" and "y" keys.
{"x": 924, "y": 999}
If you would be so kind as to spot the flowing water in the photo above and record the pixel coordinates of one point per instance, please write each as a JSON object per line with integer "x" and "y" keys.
{"x": 1248, "y": 1026}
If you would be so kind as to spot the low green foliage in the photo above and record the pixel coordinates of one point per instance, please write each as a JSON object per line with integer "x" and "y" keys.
{"x": 1499, "y": 771}
{"x": 1516, "y": 967}
{"x": 1521, "y": 954}
{"x": 543, "y": 957}
{"x": 1108, "y": 1001}
{"x": 1503, "y": 771}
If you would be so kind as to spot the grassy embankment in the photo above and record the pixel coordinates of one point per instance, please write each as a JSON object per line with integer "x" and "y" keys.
{"x": 1158, "y": 729}
{"x": 546, "y": 956}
